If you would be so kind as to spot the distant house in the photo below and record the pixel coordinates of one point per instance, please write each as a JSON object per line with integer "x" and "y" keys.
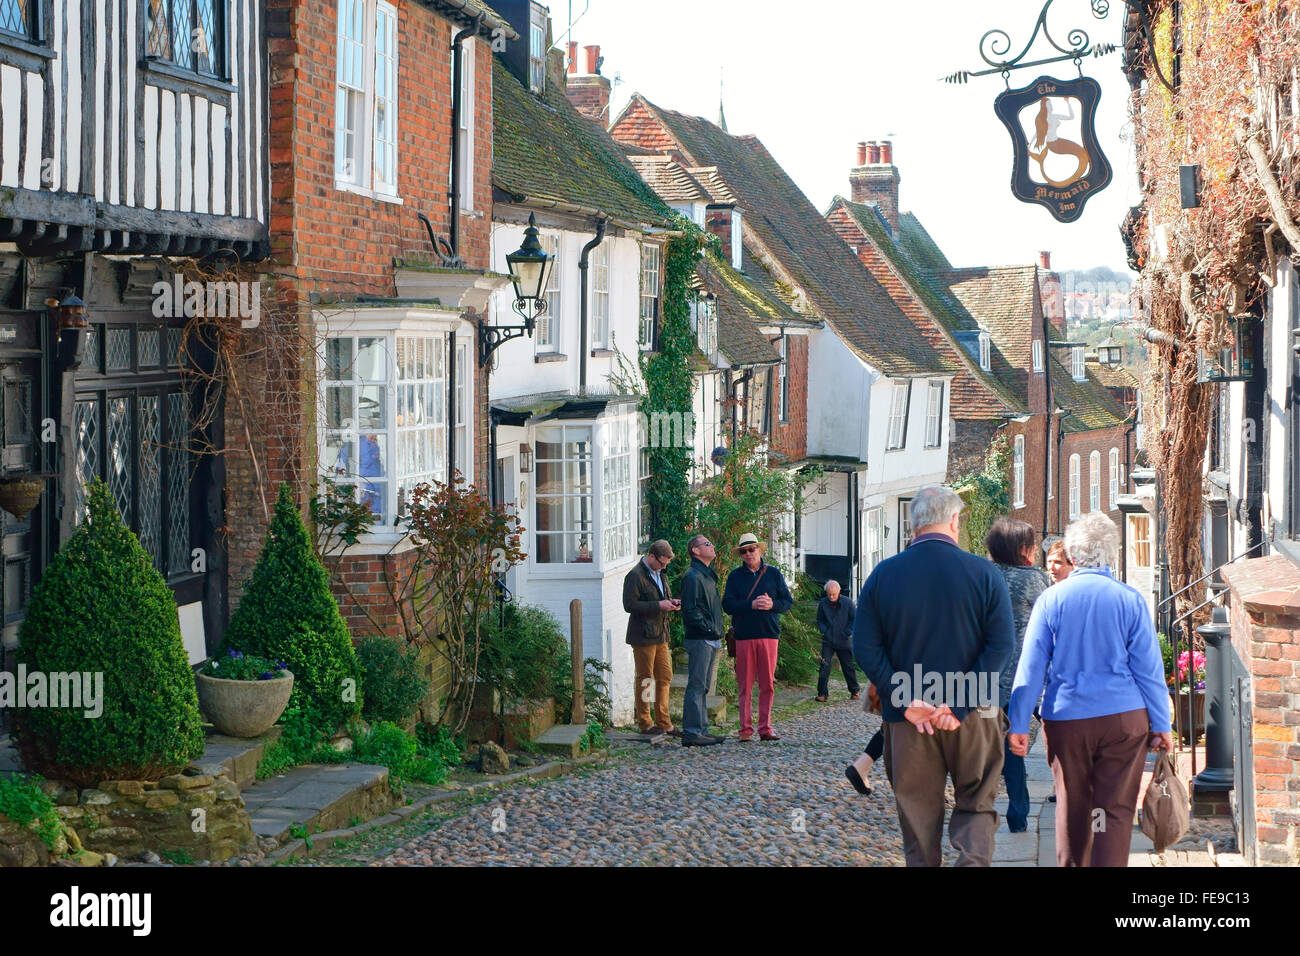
{"x": 876, "y": 390}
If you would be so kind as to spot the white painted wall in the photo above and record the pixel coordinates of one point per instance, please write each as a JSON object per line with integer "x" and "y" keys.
{"x": 1277, "y": 365}
{"x": 839, "y": 397}
{"x": 517, "y": 371}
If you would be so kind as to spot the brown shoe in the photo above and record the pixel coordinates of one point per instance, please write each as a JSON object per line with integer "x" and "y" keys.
{"x": 820, "y": 700}
{"x": 673, "y": 731}
{"x": 855, "y": 696}
{"x": 769, "y": 737}
{"x": 746, "y": 738}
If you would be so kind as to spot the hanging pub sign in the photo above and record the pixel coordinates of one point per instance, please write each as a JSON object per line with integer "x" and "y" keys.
{"x": 1058, "y": 162}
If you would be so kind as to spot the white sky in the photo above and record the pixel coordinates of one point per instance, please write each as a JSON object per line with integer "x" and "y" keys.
{"x": 866, "y": 69}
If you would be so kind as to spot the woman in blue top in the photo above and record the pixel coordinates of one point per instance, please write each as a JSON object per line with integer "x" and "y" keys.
{"x": 1106, "y": 703}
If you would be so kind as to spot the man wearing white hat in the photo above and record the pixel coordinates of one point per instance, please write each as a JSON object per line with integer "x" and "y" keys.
{"x": 756, "y": 596}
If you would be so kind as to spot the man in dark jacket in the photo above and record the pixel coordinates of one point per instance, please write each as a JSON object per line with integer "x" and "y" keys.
{"x": 756, "y": 597}
{"x": 933, "y": 632}
{"x": 835, "y": 621}
{"x": 648, "y": 604}
{"x": 702, "y": 618}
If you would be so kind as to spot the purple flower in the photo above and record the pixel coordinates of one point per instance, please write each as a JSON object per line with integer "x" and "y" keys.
{"x": 266, "y": 676}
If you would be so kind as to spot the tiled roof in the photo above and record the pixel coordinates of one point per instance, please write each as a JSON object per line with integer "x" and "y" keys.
{"x": 976, "y": 394}
{"x": 1002, "y": 300}
{"x": 1091, "y": 405}
{"x": 1118, "y": 377}
{"x": 743, "y": 306}
{"x": 789, "y": 227}
{"x": 545, "y": 150}
{"x": 670, "y": 181}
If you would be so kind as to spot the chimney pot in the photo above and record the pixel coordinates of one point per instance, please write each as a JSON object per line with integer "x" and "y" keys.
{"x": 1045, "y": 260}
{"x": 862, "y": 154}
{"x": 573, "y": 56}
{"x": 886, "y": 151}
{"x": 873, "y": 153}
{"x": 593, "y": 57}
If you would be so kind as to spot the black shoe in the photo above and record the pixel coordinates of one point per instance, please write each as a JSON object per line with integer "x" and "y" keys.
{"x": 716, "y": 737}
{"x": 1052, "y": 798}
{"x": 699, "y": 740}
{"x": 653, "y": 732}
{"x": 855, "y": 778}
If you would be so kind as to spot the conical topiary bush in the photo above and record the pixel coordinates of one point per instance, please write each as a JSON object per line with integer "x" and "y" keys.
{"x": 288, "y": 614}
{"x": 102, "y": 608}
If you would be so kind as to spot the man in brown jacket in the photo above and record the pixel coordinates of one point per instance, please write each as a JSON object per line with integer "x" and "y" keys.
{"x": 648, "y": 604}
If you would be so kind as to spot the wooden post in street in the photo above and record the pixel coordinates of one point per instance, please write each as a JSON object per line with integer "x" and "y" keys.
{"x": 579, "y": 669}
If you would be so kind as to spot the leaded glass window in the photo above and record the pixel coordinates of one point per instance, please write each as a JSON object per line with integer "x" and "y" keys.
{"x": 190, "y": 34}
{"x": 19, "y": 18}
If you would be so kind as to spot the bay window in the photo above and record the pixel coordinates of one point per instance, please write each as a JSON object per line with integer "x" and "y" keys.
{"x": 385, "y": 423}
{"x": 365, "y": 134}
{"x": 565, "y": 523}
{"x": 616, "y": 511}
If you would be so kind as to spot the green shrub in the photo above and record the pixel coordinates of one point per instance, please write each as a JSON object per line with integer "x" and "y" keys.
{"x": 393, "y": 683}
{"x": 288, "y": 614}
{"x": 23, "y": 801}
{"x": 102, "y": 608}
{"x": 595, "y": 691}
{"x": 521, "y": 657}
{"x": 390, "y": 746}
{"x": 438, "y": 743}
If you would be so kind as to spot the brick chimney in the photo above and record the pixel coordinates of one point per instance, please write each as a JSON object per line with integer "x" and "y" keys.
{"x": 589, "y": 91}
{"x": 875, "y": 179}
{"x": 717, "y": 220}
{"x": 1049, "y": 287}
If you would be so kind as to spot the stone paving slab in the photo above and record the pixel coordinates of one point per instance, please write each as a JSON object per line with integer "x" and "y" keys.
{"x": 315, "y": 795}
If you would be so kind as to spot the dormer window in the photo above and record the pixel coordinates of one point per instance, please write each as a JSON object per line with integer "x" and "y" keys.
{"x": 986, "y": 352}
{"x": 1077, "y": 364}
{"x": 706, "y": 323}
{"x": 537, "y": 50}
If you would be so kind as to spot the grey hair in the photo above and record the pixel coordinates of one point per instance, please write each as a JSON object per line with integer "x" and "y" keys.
{"x": 934, "y": 504}
{"x": 1092, "y": 541}
{"x": 828, "y": 584}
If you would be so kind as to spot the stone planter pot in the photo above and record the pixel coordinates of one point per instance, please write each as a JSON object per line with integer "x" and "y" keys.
{"x": 243, "y": 708}
{"x": 1190, "y": 706}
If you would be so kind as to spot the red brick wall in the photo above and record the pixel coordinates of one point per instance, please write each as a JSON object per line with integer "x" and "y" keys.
{"x": 1083, "y": 444}
{"x": 1265, "y": 619}
{"x": 791, "y": 438}
{"x": 590, "y": 97}
{"x": 638, "y": 127}
{"x": 332, "y": 243}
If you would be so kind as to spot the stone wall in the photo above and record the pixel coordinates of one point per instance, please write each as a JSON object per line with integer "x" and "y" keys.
{"x": 1265, "y": 620}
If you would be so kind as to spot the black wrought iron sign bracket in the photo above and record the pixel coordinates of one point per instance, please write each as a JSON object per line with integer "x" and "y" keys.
{"x": 996, "y": 44}
{"x": 492, "y": 337}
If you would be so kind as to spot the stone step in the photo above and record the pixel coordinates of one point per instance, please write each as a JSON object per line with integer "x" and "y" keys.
{"x": 318, "y": 797}
{"x": 716, "y": 703}
{"x": 239, "y": 756}
{"x": 563, "y": 739}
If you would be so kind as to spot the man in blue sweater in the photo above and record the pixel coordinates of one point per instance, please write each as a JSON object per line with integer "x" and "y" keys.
{"x": 933, "y": 632}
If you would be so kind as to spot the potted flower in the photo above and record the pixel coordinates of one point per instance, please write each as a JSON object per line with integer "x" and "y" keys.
{"x": 243, "y": 695}
{"x": 1190, "y": 684}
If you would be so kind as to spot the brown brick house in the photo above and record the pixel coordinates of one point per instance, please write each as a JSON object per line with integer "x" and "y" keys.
{"x": 365, "y": 370}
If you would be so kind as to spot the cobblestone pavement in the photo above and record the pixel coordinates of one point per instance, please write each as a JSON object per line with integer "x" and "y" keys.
{"x": 784, "y": 802}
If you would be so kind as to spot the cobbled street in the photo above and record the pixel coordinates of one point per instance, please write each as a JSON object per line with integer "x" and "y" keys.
{"x": 785, "y": 802}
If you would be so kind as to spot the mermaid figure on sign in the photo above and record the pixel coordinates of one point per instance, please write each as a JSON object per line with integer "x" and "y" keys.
{"x": 1046, "y": 125}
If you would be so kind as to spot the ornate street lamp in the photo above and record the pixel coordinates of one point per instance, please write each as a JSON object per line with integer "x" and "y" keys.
{"x": 530, "y": 272}
{"x": 1110, "y": 353}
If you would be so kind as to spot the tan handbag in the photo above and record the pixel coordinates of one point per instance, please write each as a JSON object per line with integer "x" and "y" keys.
{"x": 1165, "y": 811}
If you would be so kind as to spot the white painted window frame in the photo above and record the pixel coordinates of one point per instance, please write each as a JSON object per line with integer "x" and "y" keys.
{"x": 365, "y": 178}
{"x": 1018, "y": 472}
{"x": 1074, "y": 487}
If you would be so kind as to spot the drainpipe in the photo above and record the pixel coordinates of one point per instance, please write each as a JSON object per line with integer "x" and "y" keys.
{"x": 451, "y": 408}
{"x": 494, "y": 491}
{"x": 1060, "y": 463}
{"x": 583, "y": 265}
{"x": 457, "y": 69}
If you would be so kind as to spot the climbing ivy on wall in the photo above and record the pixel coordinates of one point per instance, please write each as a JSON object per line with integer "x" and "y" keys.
{"x": 667, "y": 375}
{"x": 986, "y": 495}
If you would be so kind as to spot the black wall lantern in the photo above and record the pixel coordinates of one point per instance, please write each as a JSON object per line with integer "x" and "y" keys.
{"x": 525, "y": 459}
{"x": 530, "y": 272}
{"x": 72, "y": 323}
{"x": 1236, "y": 363}
{"x": 1110, "y": 353}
